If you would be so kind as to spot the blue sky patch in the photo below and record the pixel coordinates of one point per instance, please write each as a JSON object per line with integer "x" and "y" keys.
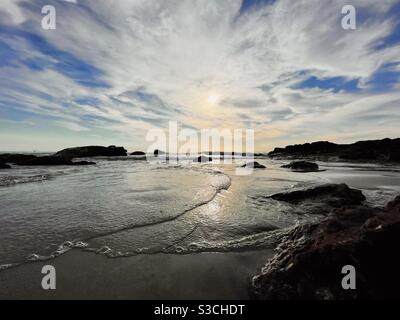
{"x": 61, "y": 61}
{"x": 249, "y": 4}
{"x": 385, "y": 78}
{"x": 336, "y": 84}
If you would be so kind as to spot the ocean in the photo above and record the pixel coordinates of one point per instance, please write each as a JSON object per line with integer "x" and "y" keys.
{"x": 124, "y": 207}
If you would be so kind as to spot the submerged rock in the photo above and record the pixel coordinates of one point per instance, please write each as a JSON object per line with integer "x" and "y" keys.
{"x": 302, "y": 166}
{"x": 254, "y": 165}
{"x": 4, "y": 166}
{"x": 310, "y": 258}
{"x": 203, "y": 159}
{"x": 335, "y": 195}
{"x": 92, "y": 151}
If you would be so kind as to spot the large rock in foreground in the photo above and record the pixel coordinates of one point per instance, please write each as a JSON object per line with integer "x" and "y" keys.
{"x": 302, "y": 166}
{"x": 92, "y": 151}
{"x": 310, "y": 258}
{"x": 334, "y": 195}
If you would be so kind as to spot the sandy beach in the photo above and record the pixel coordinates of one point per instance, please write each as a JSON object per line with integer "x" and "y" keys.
{"x": 83, "y": 275}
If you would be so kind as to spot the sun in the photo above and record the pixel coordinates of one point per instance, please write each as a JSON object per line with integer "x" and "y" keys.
{"x": 212, "y": 99}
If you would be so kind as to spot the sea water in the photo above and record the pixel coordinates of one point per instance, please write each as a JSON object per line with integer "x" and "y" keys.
{"x": 123, "y": 207}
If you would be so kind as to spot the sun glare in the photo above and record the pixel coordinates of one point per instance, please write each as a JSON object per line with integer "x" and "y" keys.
{"x": 212, "y": 99}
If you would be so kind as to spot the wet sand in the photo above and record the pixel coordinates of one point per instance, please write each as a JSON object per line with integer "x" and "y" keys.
{"x": 86, "y": 275}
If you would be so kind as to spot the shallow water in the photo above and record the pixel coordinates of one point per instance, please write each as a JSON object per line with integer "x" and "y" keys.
{"x": 122, "y": 208}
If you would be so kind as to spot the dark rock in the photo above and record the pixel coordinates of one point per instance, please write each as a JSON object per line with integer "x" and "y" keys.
{"x": 92, "y": 151}
{"x": 310, "y": 257}
{"x": 202, "y": 159}
{"x": 320, "y": 147}
{"x": 302, "y": 166}
{"x": 31, "y": 160}
{"x": 15, "y": 158}
{"x": 47, "y": 161}
{"x": 83, "y": 163}
{"x": 335, "y": 195}
{"x": 254, "y": 165}
{"x": 372, "y": 150}
{"x": 138, "y": 153}
{"x": 4, "y": 166}
{"x": 158, "y": 153}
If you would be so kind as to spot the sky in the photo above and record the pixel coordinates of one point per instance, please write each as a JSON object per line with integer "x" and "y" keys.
{"x": 113, "y": 70}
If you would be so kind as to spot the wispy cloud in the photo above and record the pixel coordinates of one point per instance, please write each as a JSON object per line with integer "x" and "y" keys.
{"x": 286, "y": 68}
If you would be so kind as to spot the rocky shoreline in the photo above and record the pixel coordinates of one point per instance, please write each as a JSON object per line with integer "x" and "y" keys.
{"x": 61, "y": 158}
{"x": 309, "y": 258}
{"x": 385, "y": 150}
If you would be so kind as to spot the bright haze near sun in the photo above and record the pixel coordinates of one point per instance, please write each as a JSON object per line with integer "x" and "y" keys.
{"x": 112, "y": 70}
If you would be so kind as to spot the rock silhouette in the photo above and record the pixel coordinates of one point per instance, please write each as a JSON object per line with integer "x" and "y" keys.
{"x": 254, "y": 165}
{"x": 4, "y": 166}
{"x": 92, "y": 151}
{"x": 15, "y": 158}
{"x": 302, "y": 166}
{"x": 138, "y": 153}
{"x": 371, "y": 150}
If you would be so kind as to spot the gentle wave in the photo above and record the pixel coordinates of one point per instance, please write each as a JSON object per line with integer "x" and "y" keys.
{"x": 7, "y": 181}
{"x": 262, "y": 240}
{"x": 218, "y": 183}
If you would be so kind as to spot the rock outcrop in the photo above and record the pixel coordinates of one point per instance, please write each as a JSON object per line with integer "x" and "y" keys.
{"x": 4, "y": 166}
{"x": 46, "y": 161}
{"x": 373, "y": 150}
{"x": 31, "y": 160}
{"x": 15, "y": 158}
{"x": 310, "y": 258}
{"x": 302, "y": 166}
{"x": 92, "y": 151}
{"x": 254, "y": 165}
{"x": 138, "y": 153}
